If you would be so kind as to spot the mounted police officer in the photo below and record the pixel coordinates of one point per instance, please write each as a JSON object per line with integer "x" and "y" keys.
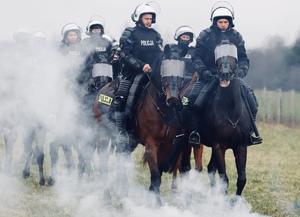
{"x": 98, "y": 69}
{"x": 222, "y": 16}
{"x": 140, "y": 46}
{"x": 184, "y": 36}
{"x": 74, "y": 53}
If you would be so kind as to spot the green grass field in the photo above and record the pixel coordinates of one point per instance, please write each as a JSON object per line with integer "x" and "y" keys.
{"x": 272, "y": 188}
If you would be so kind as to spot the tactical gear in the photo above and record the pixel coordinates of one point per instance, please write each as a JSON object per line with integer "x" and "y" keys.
{"x": 222, "y": 9}
{"x": 141, "y": 46}
{"x": 122, "y": 137}
{"x": 242, "y": 70}
{"x": 197, "y": 87}
{"x": 121, "y": 95}
{"x": 184, "y": 30}
{"x": 252, "y": 108}
{"x": 134, "y": 93}
{"x": 206, "y": 75}
{"x": 95, "y": 20}
{"x": 71, "y": 27}
{"x": 204, "y": 95}
{"x": 141, "y": 10}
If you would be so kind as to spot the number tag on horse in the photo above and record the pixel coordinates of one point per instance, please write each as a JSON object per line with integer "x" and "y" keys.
{"x": 185, "y": 101}
{"x": 107, "y": 100}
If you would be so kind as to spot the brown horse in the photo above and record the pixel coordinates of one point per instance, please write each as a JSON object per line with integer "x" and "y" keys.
{"x": 225, "y": 122}
{"x": 154, "y": 124}
{"x": 183, "y": 165}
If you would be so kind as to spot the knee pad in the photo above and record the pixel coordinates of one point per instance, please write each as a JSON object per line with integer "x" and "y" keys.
{"x": 123, "y": 89}
{"x": 119, "y": 104}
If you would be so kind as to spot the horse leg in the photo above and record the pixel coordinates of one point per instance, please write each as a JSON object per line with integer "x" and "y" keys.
{"x": 122, "y": 179}
{"x": 89, "y": 147}
{"x": 28, "y": 138}
{"x": 219, "y": 156}
{"x": 211, "y": 169}
{"x": 40, "y": 134}
{"x": 198, "y": 152}
{"x": 155, "y": 174}
{"x": 103, "y": 167}
{"x": 240, "y": 154}
{"x": 67, "y": 149}
{"x": 54, "y": 158}
{"x": 10, "y": 138}
{"x": 177, "y": 168}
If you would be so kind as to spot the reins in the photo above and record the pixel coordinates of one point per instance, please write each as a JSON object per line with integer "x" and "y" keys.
{"x": 233, "y": 124}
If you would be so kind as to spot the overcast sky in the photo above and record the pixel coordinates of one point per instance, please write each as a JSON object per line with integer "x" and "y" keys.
{"x": 256, "y": 20}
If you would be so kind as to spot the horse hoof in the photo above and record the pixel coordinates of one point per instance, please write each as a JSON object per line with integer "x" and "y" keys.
{"x": 26, "y": 174}
{"x": 174, "y": 186}
{"x": 42, "y": 182}
{"x": 51, "y": 181}
{"x": 158, "y": 203}
{"x": 107, "y": 197}
{"x": 234, "y": 200}
{"x": 199, "y": 168}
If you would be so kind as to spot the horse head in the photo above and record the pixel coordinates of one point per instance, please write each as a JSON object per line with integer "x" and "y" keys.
{"x": 226, "y": 62}
{"x": 172, "y": 73}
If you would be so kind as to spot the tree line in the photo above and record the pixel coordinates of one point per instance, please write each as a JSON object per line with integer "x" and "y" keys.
{"x": 276, "y": 66}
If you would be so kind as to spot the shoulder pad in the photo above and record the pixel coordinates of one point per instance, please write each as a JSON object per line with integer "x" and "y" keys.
{"x": 108, "y": 37}
{"x": 126, "y": 35}
{"x": 203, "y": 34}
{"x": 159, "y": 38}
{"x": 238, "y": 38}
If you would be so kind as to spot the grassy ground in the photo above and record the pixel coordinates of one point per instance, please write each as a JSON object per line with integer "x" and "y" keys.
{"x": 272, "y": 189}
{"x": 273, "y": 178}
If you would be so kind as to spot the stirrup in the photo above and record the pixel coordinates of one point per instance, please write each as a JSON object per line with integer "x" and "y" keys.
{"x": 194, "y": 139}
{"x": 255, "y": 140}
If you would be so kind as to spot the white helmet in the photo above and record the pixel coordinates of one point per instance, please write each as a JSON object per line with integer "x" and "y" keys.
{"x": 39, "y": 34}
{"x": 95, "y": 20}
{"x": 71, "y": 26}
{"x": 22, "y": 33}
{"x": 143, "y": 9}
{"x": 222, "y": 9}
{"x": 184, "y": 30}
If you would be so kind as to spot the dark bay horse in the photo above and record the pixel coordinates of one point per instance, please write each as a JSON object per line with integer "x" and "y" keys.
{"x": 225, "y": 122}
{"x": 153, "y": 125}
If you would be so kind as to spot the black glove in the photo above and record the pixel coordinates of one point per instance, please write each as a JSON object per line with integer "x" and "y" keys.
{"x": 241, "y": 72}
{"x": 92, "y": 87}
{"x": 116, "y": 56}
{"x": 206, "y": 75}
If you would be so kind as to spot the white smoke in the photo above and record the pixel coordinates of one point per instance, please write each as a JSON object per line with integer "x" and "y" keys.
{"x": 36, "y": 88}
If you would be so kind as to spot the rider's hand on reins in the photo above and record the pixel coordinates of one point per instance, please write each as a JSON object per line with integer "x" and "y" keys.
{"x": 146, "y": 68}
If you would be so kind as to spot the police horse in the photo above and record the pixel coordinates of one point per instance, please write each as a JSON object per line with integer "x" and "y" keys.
{"x": 154, "y": 123}
{"x": 102, "y": 74}
{"x": 225, "y": 122}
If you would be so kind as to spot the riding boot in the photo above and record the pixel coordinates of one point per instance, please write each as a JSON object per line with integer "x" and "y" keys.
{"x": 194, "y": 137}
{"x": 255, "y": 139}
{"x": 252, "y": 103}
{"x": 122, "y": 137}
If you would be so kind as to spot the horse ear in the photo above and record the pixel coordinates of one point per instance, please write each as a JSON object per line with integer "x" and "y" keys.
{"x": 184, "y": 52}
{"x": 167, "y": 50}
